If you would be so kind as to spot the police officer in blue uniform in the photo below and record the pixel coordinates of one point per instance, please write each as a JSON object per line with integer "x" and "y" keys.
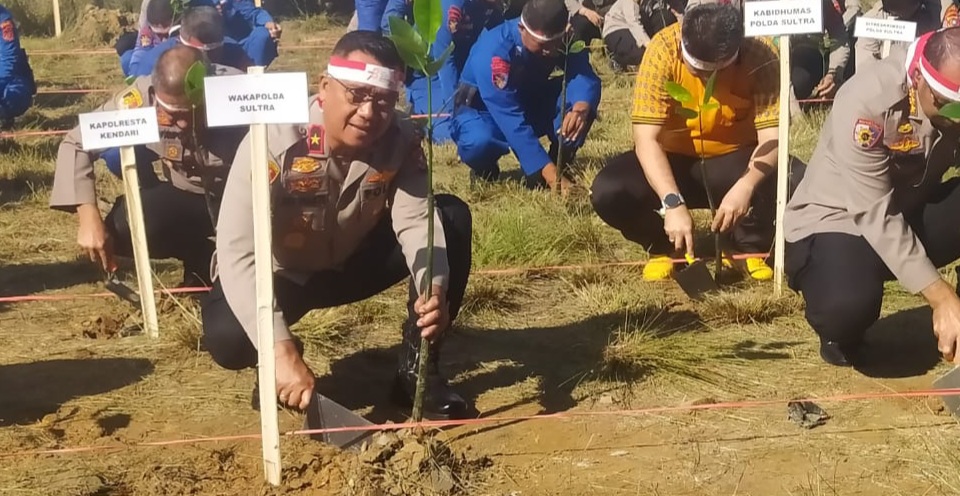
{"x": 463, "y": 22}
{"x": 17, "y": 85}
{"x": 249, "y": 26}
{"x": 202, "y": 28}
{"x": 156, "y": 25}
{"x": 507, "y": 99}
{"x": 369, "y": 14}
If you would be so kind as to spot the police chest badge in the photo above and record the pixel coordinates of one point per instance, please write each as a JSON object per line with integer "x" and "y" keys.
{"x": 866, "y": 133}
{"x": 307, "y": 185}
{"x": 173, "y": 151}
{"x": 305, "y": 165}
{"x": 500, "y": 72}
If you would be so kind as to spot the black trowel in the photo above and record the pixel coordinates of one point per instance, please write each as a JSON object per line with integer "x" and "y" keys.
{"x": 695, "y": 279}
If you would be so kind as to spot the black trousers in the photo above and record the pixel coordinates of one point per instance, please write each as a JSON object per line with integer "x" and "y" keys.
{"x": 623, "y": 48}
{"x": 377, "y": 265}
{"x": 177, "y": 225}
{"x": 841, "y": 276}
{"x": 623, "y": 198}
{"x": 583, "y": 29}
{"x": 806, "y": 70}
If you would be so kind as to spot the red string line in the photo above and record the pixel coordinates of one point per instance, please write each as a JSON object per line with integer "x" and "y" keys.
{"x": 485, "y": 272}
{"x": 727, "y": 405}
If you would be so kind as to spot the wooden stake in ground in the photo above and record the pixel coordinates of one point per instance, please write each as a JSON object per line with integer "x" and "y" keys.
{"x": 57, "y": 27}
{"x": 227, "y": 102}
{"x": 782, "y": 18}
{"x": 263, "y": 256}
{"x": 125, "y": 129}
{"x": 138, "y": 234}
{"x": 783, "y": 163}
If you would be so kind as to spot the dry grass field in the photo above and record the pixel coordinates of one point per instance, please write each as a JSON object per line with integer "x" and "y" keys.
{"x": 591, "y": 339}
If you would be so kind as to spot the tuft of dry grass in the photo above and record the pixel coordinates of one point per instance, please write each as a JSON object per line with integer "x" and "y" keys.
{"x": 493, "y": 294}
{"x": 747, "y": 306}
{"x": 649, "y": 342}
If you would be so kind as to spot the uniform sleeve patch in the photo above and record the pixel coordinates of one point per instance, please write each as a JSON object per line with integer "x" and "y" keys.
{"x": 952, "y": 17}
{"x": 866, "y": 133}
{"x": 454, "y": 14}
{"x": 9, "y": 32}
{"x": 500, "y": 71}
{"x": 131, "y": 99}
{"x": 274, "y": 171}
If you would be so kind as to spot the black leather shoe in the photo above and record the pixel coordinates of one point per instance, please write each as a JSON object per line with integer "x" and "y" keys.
{"x": 440, "y": 401}
{"x": 841, "y": 355}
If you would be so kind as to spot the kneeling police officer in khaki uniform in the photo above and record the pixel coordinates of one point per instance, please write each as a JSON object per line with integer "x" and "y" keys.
{"x": 349, "y": 221}
{"x": 873, "y": 205}
{"x": 178, "y": 213}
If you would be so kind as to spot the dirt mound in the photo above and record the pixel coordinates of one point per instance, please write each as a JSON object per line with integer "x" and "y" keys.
{"x": 110, "y": 324}
{"x": 97, "y": 26}
{"x": 391, "y": 464}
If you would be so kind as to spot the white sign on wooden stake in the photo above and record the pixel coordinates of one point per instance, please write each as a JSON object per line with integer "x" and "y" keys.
{"x": 885, "y": 29}
{"x": 118, "y": 128}
{"x": 247, "y": 99}
{"x": 257, "y": 99}
{"x": 138, "y": 234}
{"x": 782, "y": 17}
{"x": 126, "y": 129}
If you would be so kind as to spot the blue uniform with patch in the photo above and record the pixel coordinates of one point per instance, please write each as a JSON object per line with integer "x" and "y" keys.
{"x": 369, "y": 14}
{"x": 463, "y": 22}
{"x": 17, "y": 85}
{"x": 147, "y": 40}
{"x": 245, "y": 24}
{"x": 512, "y": 102}
{"x": 231, "y": 55}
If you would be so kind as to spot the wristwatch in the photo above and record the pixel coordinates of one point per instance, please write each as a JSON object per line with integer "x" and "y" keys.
{"x": 671, "y": 201}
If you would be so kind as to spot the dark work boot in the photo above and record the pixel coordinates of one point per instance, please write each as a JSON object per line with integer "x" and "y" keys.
{"x": 839, "y": 354}
{"x": 440, "y": 401}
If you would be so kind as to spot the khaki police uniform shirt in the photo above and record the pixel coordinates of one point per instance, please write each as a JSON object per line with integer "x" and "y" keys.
{"x": 323, "y": 208}
{"x": 74, "y": 182}
{"x": 869, "y": 50}
{"x": 877, "y": 157}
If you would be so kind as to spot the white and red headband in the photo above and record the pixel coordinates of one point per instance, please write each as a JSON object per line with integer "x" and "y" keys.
{"x": 364, "y": 73}
{"x": 702, "y": 65}
{"x": 205, "y": 47}
{"x": 937, "y": 81}
{"x": 538, "y": 36}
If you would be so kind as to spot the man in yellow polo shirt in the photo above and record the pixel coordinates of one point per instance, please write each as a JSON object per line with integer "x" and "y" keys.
{"x": 737, "y": 137}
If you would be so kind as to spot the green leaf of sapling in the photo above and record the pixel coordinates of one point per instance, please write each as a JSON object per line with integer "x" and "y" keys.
{"x": 677, "y": 92}
{"x": 951, "y": 111}
{"x": 708, "y": 90}
{"x": 687, "y": 113}
{"x": 427, "y": 16}
{"x": 433, "y": 66}
{"x": 577, "y": 47}
{"x": 409, "y": 44}
{"x": 193, "y": 83}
